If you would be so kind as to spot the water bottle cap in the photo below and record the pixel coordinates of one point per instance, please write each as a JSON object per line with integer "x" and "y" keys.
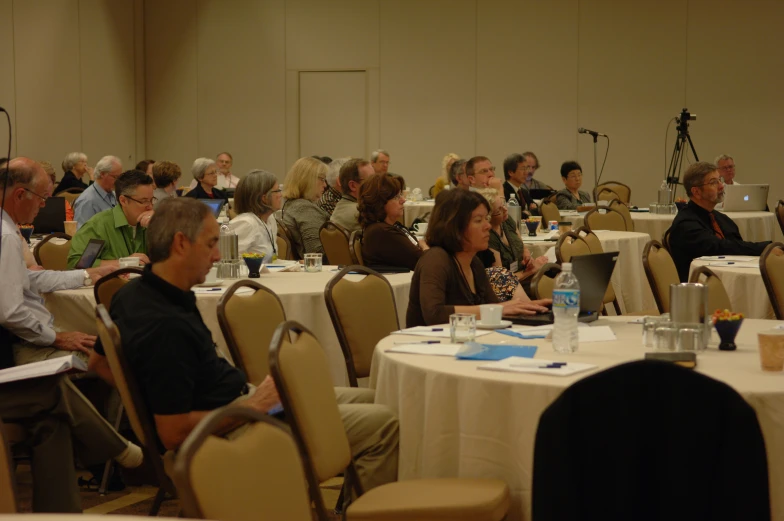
{"x": 566, "y": 266}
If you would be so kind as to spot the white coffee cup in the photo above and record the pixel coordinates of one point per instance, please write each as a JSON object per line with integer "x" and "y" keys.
{"x": 130, "y": 262}
{"x": 212, "y": 275}
{"x": 491, "y": 314}
{"x": 421, "y": 228}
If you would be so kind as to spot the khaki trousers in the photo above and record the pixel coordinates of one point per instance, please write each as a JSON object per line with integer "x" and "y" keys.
{"x": 58, "y": 419}
{"x": 25, "y": 353}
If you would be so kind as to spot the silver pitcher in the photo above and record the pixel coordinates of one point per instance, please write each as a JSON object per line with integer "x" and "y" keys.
{"x": 689, "y": 305}
{"x": 228, "y": 244}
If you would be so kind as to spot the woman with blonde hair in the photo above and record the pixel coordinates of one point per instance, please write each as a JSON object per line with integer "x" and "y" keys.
{"x": 443, "y": 179}
{"x": 302, "y": 187}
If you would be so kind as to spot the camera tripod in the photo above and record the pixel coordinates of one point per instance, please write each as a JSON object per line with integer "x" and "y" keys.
{"x": 679, "y": 153}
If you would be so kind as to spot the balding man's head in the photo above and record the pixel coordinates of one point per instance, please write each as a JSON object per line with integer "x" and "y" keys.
{"x": 27, "y": 187}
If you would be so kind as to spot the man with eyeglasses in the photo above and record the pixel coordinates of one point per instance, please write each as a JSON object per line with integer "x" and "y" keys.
{"x": 99, "y": 196}
{"x": 571, "y": 197}
{"x": 479, "y": 171}
{"x": 698, "y": 230}
{"x": 123, "y": 228}
{"x": 516, "y": 173}
{"x": 726, "y": 167}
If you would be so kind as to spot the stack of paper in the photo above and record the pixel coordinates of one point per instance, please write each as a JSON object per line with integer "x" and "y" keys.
{"x": 535, "y": 365}
{"x": 427, "y": 349}
{"x": 432, "y": 331}
{"x": 49, "y": 367}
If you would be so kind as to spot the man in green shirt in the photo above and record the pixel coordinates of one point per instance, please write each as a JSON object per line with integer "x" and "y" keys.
{"x": 123, "y": 228}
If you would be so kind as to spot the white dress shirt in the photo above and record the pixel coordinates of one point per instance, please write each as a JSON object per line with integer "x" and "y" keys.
{"x": 255, "y": 235}
{"x": 22, "y": 310}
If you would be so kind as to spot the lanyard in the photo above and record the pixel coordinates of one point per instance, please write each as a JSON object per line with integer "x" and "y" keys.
{"x": 272, "y": 241}
{"x": 109, "y": 201}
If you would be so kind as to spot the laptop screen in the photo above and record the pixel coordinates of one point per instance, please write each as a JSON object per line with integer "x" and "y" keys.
{"x": 215, "y": 205}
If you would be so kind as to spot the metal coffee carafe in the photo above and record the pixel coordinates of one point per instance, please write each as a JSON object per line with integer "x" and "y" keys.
{"x": 228, "y": 244}
{"x": 689, "y": 305}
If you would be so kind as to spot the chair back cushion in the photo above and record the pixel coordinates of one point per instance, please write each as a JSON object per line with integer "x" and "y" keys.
{"x": 355, "y": 245}
{"x": 621, "y": 208}
{"x": 550, "y": 212}
{"x": 248, "y": 323}
{"x": 284, "y": 231}
{"x": 661, "y": 272}
{"x": 569, "y": 245}
{"x": 605, "y": 219}
{"x": 284, "y": 250}
{"x": 257, "y": 474}
{"x": 301, "y": 372}
{"x": 543, "y": 282}
{"x": 629, "y": 418}
{"x": 335, "y": 239}
{"x": 53, "y": 256}
{"x": 772, "y": 269}
{"x": 780, "y": 214}
{"x": 7, "y": 479}
{"x": 623, "y": 191}
{"x": 717, "y": 295}
{"x": 108, "y": 285}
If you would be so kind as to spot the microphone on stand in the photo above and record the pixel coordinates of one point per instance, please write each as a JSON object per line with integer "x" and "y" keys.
{"x": 582, "y": 130}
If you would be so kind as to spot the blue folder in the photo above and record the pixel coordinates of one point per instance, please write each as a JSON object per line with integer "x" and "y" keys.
{"x": 475, "y": 351}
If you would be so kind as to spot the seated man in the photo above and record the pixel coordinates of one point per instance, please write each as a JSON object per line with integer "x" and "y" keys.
{"x": 516, "y": 173}
{"x": 726, "y": 167}
{"x": 22, "y": 310}
{"x": 352, "y": 174}
{"x": 99, "y": 196}
{"x": 122, "y": 227}
{"x": 479, "y": 171}
{"x": 187, "y": 379}
{"x": 457, "y": 175}
{"x": 697, "y": 230}
{"x": 332, "y": 194}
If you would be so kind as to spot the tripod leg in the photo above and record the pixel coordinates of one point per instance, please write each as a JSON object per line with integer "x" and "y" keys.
{"x": 691, "y": 145}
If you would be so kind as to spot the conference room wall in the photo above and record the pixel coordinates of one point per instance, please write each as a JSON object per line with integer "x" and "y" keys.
{"x": 473, "y": 77}
{"x": 70, "y": 78}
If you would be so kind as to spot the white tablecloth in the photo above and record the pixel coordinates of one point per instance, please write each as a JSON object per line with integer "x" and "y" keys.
{"x": 628, "y": 280}
{"x": 744, "y": 286}
{"x": 302, "y": 295}
{"x": 457, "y": 421}
{"x": 412, "y": 210}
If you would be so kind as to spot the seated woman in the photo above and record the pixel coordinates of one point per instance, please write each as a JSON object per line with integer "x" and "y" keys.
{"x": 385, "y": 242}
{"x": 77, "y": 173}
{"x": 165, "y": 174}
{"x": 448, "y": 277}
{"x": 256, "y": 198}
{"x": 302, "y": 187}
{"x": 571, "y": 197}
{"x": 206, "y": 174}
{"x": 443, "y": 180}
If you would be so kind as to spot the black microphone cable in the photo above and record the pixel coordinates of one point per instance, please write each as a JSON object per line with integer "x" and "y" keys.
{"x": 7, "y": 175}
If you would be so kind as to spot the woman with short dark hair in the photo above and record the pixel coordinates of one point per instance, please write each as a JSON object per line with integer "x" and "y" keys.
{"x": 385, "y": 242}
{"x": 571, "y": 197}
{"x": 449, "y": 278}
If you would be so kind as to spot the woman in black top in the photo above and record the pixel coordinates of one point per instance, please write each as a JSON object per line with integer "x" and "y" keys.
{"x": 76, "y": 172}
{"x": 206, "y": 173}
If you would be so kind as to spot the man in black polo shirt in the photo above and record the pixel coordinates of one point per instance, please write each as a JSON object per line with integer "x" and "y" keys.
{"x": 697, "y": 230}
{"x": 171, "y": 352}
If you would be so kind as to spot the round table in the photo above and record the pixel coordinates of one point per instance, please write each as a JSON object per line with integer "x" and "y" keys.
{"x": 412, "y": 210}
{"x": 457, "y": 421}
{"x": 743, "y": 283}
{"x": 628, "y": 280}
{"x": 302, "y": 295}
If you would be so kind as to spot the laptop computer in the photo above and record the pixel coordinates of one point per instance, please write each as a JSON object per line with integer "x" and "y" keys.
{"x": 593, "y": 272}
{"x": 216, "y": 205}
{"x": 540, "y": 193}
{"x": 50, "y": 218}
{"x": 745, "y": 198}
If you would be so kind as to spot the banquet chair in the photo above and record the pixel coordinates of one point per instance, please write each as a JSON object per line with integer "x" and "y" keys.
{"x": 780, "y": 214}
{"x": 335, "y": 240}
{"x": 284, "y": 232}
{"x": 247, "y": 323}
{"x": 595, "y": 246}
{"x": 604, "y": 218}
{"x": 350, "y": 304}
{"x": 108, "y": 285}
{"x": 621, "y": 208}
{"x": 569, "y": 245}
{"x": 139, "y": 417}
{"x": 70, "y": 194}
{"x": 8, "y": 502}
{"x": 53, "y": 256}
{"x": 661, "y": 272}
{"x": 623, "y": 191}
{"x": 543, "y": 281}
{"x": 666, "y": 240}
{"x": 605, "y": 449}
{"x": 772, "y": 269}
{"x": 549, "y": 212}
{"x": 301, "y": 373}
{"x": 717, "y": 294}
{"x": 255, "y": 475}
{"x": 604, "y": 194}
{"x": 283, "y": 246}
{"x": 355, "y": 247}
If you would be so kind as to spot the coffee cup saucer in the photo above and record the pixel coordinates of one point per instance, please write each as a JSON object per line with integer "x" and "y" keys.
{"x": 501, "y": 325}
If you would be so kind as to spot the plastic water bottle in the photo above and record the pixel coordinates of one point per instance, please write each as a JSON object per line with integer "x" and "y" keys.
{"x": 566, "y": 307}
{"x": 515, "y": 212}
{"x": 664, "y": 193}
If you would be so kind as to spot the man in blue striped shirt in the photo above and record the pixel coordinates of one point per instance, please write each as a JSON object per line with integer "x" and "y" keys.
{"x": 99, "y": 196}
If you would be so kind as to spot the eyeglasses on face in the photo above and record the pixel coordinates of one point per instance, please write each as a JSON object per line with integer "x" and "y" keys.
{"x": 714, "y": 182}
{"x": 486, "y": 171}
{"x": 143, "y": 202}
{"x": 36, "y": 194}
{"x": 727, "y": 167}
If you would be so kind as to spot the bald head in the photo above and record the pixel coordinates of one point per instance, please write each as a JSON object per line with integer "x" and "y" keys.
{"x": 21, "y": 171}
{"x": 28, "y": 187}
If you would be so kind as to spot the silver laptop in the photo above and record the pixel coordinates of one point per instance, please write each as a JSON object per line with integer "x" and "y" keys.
{"x": 745, "y": 198}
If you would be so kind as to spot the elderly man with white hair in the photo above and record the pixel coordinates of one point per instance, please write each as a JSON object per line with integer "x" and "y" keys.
{"x": 99, "y": 196}
{"x": 332, "y": 194}
{"x": 77, "y": 173}
{"x": 205, "y": 172}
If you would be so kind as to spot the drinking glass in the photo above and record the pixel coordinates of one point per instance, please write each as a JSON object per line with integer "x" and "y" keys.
{"x": 312, "y": 262}
{"x": 462, "y": 327}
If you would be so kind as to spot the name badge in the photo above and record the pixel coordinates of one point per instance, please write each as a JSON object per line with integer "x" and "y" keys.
{"x": 514, "y": 267}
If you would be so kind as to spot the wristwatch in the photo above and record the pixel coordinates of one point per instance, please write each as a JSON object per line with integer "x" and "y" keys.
{"x": 88, "y": 281}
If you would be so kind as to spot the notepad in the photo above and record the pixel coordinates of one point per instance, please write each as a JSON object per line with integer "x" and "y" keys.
{"x": 63, "y": 364}
{"x": 535, "y": 365}
{"x": 734, "y": 264}
{"x": 429, "y": 331}
{"x": 475, "y": 351}
{"x": 427, "y": 349}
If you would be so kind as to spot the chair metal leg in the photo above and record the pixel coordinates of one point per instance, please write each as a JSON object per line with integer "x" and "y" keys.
{"x": 156, "y": 504}
{"x": 108, "y": 468}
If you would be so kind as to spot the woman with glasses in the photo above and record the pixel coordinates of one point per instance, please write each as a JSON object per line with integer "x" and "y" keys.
{"x": 449, "y": 278}
{"x": 256, "y": 198}
{"x": 571, "y": 197}
{"x": 385, "y": 242}
{"x": 77, "y": 173}
{"x": 205, "y": 172}
{"x": 302, "y": 187}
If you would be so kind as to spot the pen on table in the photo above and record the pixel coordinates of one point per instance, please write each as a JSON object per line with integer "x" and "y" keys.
{"x": 422, "y": 342}
{"x": 212, "y": 289}
{"x": 554, "y": 365}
